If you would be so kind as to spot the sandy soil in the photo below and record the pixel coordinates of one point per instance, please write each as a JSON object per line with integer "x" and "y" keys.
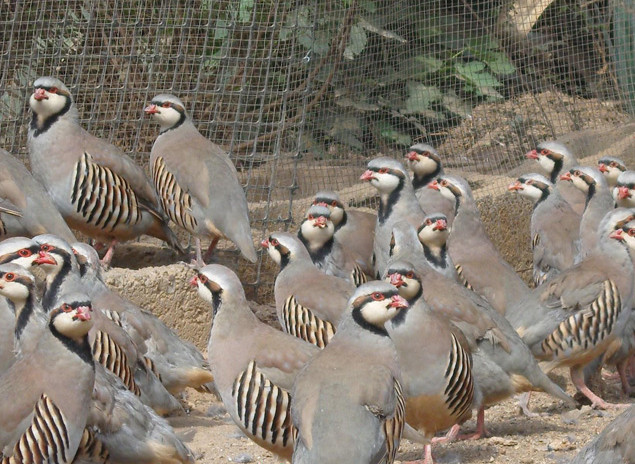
{"x": 553, "y": 437}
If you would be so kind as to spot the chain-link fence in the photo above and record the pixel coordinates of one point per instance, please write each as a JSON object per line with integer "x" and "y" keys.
{"x": 301, "y": 93}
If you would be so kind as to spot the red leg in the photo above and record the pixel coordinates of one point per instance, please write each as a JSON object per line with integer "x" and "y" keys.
{"x": 450, "y": 436}
{"x": 427, "y": 453}
{"x": 109, "y": 253}
{"x": 480, "y": 427}
{"x": 577, "y": 377}
{"x": 210, "y": 249}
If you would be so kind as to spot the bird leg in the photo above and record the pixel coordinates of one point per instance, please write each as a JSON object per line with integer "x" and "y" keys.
{"x": 621, "y": 370}
{"x": 210, "y": 249}
{"x": 427, "y": 452}
{"x": 577, "y": 377}
{"x": 523, "y": 404}
{"x": 198, "y": 261}
{"x": 109, "y": 253}
{"x": 480, "y": 431}
{"x": 450, "y": 436}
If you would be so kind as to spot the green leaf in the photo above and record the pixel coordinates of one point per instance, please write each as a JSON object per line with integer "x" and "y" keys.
{"x": 388, "y": 132}
{"x": 245, "y": 8}
{"x": 420, "y": 97}
{"x": 356, "y": 42}
{"x": 369, "y": 6}
{"x": 429, "y": 64}
{"x": 499, "y": 63}
{"x": 473, "y": 73}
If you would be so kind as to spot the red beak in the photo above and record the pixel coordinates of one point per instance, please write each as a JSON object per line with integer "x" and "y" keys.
{"x": 441, "y": 224}
{"x": 396, "y": 279}
{"x": 533, "y": 154}
{"x": 151, "y": 109}
{"x": 44, "y": 258}
{"x": 194, "y": 281}
{"x": 617, "y": 234}
{"x": 412, "y": 156}
{"x": 320, "y": 222}
{"x": 602, "y": 167}
{"x": 566, "y": 176}
{"x": 623, "y": 193}
{"x": 83, "y": 313}
{"x": 40, "y": 94}
{"x": 515, "y": 186}
{"x": 434, "y": 185}
{"x": 398, "y": 302}
{"x": 367, "y": 176}
{"x": 264, "y": 243}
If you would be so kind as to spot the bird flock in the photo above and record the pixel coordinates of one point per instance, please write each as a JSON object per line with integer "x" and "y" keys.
{"x": 399, "y": 324}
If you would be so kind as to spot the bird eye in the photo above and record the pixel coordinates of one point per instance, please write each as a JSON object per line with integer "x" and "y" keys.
{"x": 544, "y": 151}
{"x": 334, "y": 203}
{"x": 576, "y": 173}
{"x": 310, "y": 216}
{"x": 631, "y": 232}
{"x": 274, "y": 242}
{"x": 315, "y": 202}
{"x": 428, "y": 222}
{"x": 529, "y": 182}
{"x": 410, "y": 274}
{"x": 383, "y": 170}
{"x": 25, "y": 252}
{"x": 202, "y": 278}
{"x": 377, "y": 296}
{"x": 67, "y": 308}
{"x": 53, "y": 90}
{"x": 444, "y": 183}
{"x": 9, "y": 277}
{"x": 46, "y": 247}
{"x": 166, "y": 105}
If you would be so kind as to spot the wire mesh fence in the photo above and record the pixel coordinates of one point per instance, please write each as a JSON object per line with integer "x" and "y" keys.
{"x": 302, "y": 93}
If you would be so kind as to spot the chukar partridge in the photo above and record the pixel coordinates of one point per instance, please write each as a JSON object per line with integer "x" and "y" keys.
{"x": 502, "y": 364}
{"x": 435, "y": 361}
{"x": 555, "y": 159}
{"x": 177, "y": 363}
{"x": 25, "y": 208}
{"x": 611, "y": 168}
{"x": 348, "y": 402}
{"x": 554, "y": 228}
{"x": 397, "y": 201}
{"x": 111, "y": 345}
{"x": 576, "y": 316}
{"x": 317, "y": 233}
{"x": 433, "y": 234}
{"x": 624, "y": 190}
{"x": 196, "y": 181}
{"x": 46, "y": 393}
{"x": 354, "y": 229}
{"x": 94, "y": 185}
{"x": 309, "y": 303}
{"x": 472, "y": 251}
{"x": 425, "y": 163}
{"x": 599, "y": 201}
{"x": 614, "y": 444}
{"x": 254, "y": 365}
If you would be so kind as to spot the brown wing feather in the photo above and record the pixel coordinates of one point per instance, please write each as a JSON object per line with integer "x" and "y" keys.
{"x": 301, "y": 322}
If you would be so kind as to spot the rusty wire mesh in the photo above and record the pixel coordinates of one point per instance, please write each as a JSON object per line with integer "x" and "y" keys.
{"x": 302, "y": 93}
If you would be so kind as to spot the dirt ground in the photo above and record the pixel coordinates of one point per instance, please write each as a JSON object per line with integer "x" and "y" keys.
{"x": 553, "y": 437}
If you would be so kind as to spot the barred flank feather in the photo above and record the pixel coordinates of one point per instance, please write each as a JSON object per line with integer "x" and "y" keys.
{"x": 110, "y": 355}
{"x": 459, "y": 391}
{"x": 102, "y": 197}
{"x": 586, "y": 328}
{"x": 393, "y": 427}
{"x": 46, "y": 440}
{"x": 264, "y": 409}
{"x": 91, "y": 448}
{"x": 176, "y": 203}
{"x": 462, "y": 279}
{"x": 302, "y": 323}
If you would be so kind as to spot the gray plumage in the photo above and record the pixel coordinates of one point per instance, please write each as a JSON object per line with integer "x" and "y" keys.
{"x": 611, "y": 167}
{"x": 196, "y": 181}
{"x": 347, "y": 403}
{"x": 614, "y": 445}
{"x": 46, "y": 392}
{"x": 254, "y": 365}
{"x": 472, "y": 251}
{"x": 554, "y": 228}
{"x": 599, "y": 201}
{"x": 22, "y": 194}
{"x": 555, "y": 159}
{"x": 354, "y": 229}
{"x": 576, "y": 316}
{"x": 97, "y": 188}
{"x": 397, "y": 202}
{"x": 426, "y": 166}
{"x": 309, "y": 303}
{"x": 178, "y": 363}
{"x": 624, "y": 190}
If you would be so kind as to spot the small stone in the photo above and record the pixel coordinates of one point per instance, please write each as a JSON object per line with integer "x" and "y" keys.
{"x": 502, "y": 441}
{"x": 242, "y": 458}
{"x": 571, "y": 417}
{"x": 216, "y": 410}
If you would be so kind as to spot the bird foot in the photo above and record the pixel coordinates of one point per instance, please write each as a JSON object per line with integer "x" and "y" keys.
{"x": 477, "y": 435}
{"x": 601, "y": 404}
{"x": 448, "y": 437}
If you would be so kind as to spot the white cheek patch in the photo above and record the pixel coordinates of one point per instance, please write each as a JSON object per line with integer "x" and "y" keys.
{"x": 424, "y": 165}
{"x": 204, "y": 292}
{"x": 546, "y": 163}
{"x": 529, "y": 191}
{"x": 385, "y": 183}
